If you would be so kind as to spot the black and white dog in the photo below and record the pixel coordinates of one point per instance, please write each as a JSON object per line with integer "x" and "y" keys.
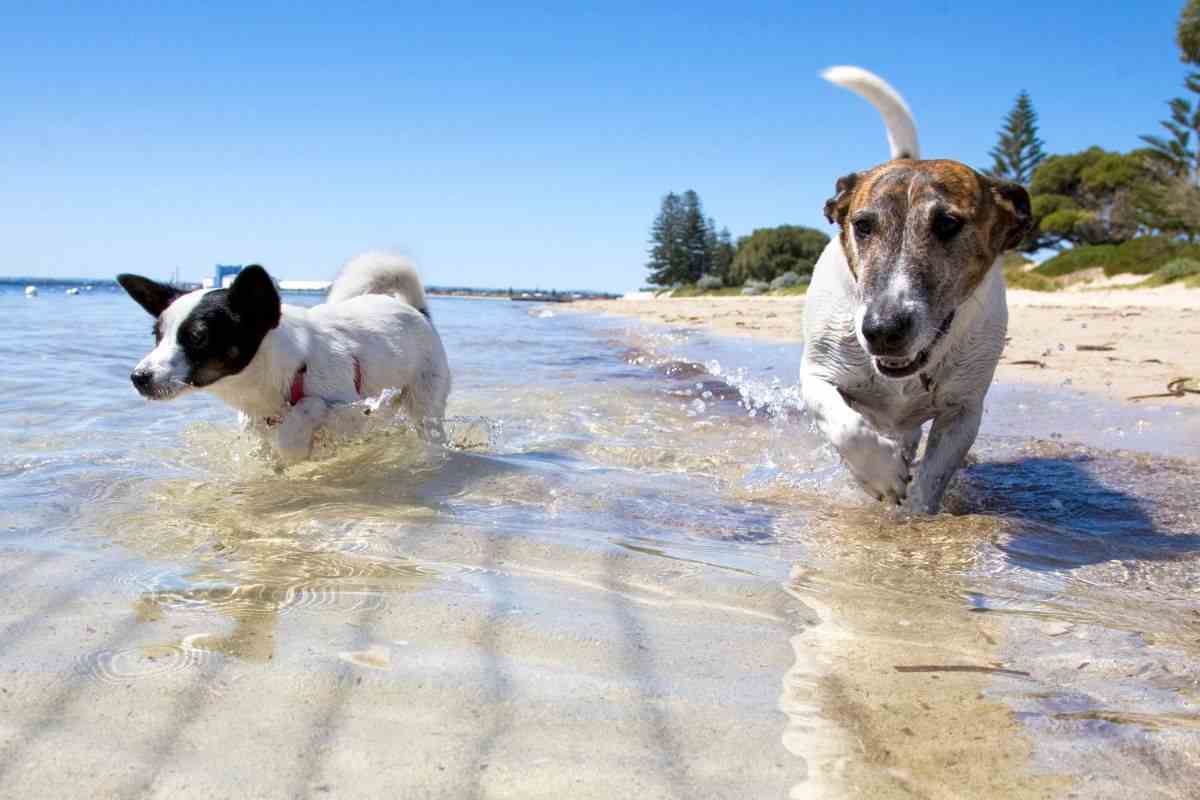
{"x": 282, "y": 366}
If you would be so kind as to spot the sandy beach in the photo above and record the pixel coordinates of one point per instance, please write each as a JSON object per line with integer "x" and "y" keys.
{"x": 1119, "y": 343}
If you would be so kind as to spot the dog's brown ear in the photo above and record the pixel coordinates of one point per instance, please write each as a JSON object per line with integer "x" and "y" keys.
{"x": 838, "y": 206}
{"x": 1014, "y": 216}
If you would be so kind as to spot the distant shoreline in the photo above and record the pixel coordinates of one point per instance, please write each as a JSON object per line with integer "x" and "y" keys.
{"x": 21, "y": 281}
{"x": 458, "y": 296}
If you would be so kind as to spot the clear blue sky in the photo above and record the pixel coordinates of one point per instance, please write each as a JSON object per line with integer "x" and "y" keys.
{"x": 519, "y": 145}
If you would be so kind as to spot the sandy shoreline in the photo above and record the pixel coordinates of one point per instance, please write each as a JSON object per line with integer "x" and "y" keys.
{"x": 1116, "y": 343}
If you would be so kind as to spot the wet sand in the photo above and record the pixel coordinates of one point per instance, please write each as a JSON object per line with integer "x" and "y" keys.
{"x": 466, "y": 683}
{"x": 905, "y": 684}
{"x": 1117, "y": 343}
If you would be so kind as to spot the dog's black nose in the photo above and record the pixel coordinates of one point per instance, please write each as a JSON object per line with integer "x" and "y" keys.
{"x": 888, "y": 332}
{"x": 142, "y": 380}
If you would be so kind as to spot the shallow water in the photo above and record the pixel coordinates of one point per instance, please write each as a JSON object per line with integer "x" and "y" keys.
{"x": 636, "y": 571}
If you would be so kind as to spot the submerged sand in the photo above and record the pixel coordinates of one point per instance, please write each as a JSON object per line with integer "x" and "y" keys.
{"x": 1119, "y": 343}
{"x": 628, "y": 586}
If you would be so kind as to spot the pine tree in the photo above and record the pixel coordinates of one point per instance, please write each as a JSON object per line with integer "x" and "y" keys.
{"x": 723, "y": 253}
{"x": 1174, "y": 206}
{"x": 1176, "y": 150}
{"x": 696, "y": 238}
{"x": 685, "y": 245}
{"x": 1187, "y": 35}
{"x": 1019, "y": 150}
{"x": 711, "y": 242}
{"x": 668, "y": 258}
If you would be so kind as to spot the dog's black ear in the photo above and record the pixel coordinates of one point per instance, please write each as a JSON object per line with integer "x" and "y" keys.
{"x": 254, "y": 298}
{"x": 1014, "y": 217}
{"x": 838, "y": 206}
{"x": 150, "y": 295}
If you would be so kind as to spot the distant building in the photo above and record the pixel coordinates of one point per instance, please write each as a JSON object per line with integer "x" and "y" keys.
{"x": 223, "y": 275}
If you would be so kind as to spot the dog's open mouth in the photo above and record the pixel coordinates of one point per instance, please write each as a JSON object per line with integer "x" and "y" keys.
{"x": 904, "y": 367}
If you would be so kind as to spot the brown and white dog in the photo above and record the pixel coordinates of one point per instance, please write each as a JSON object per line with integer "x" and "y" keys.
{"x": 905, "y": 317}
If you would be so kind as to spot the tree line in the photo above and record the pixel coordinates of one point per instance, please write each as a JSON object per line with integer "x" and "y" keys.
{"x": 1094, "y": 197}
{"x": 686, "y": 247}
{"x": 1101, "y": 197}
{"x": 684, "y": 244}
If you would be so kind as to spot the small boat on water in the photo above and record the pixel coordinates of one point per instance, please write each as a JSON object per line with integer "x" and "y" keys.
{"x": 73, "y": 290}
{"x": 31, "y": 291}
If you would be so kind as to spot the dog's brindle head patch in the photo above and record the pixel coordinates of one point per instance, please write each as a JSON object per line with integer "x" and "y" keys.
{"x": 205, "y": 335}
{"x": 919, "y": 237}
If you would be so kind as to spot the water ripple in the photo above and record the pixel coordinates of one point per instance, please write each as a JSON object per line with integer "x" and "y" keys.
{"x": 140, "y": 663}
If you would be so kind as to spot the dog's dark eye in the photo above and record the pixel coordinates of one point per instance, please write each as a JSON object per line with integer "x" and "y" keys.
{"x": 946, "y": 226}
{"x": 198, "y": 338}
{"x": 864, "y": 227}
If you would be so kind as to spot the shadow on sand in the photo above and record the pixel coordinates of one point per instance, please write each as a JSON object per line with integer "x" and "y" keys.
{"x": 1077, "y": 509}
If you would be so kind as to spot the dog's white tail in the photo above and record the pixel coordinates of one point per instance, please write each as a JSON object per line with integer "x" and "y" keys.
{"x": 901, "y": 130}
{"x": 379, "y": 272}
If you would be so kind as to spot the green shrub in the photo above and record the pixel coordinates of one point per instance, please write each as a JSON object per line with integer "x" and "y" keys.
{"x": 1014, "y": 260}
{"x": 1141, "y": 256}
{"x": 753, "y": 287}
{"x": 709, "y": 282}
{"x": 1186, "y": 270}
{"x": 1077, "y": 258}
{"x": 1020, "y": 279}
{"x": 692, "y": 290}
{"x": 1018, "y": 275}
{"x": 788, "y": 280}
{"x": 1178, "y": 268}
{"x": 769, "y": 252}
{"x": 1144, "y": 255}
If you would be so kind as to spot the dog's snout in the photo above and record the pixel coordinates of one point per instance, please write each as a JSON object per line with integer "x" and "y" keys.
{"x": 887, "y": 331}
{"x": 142, "y": 379}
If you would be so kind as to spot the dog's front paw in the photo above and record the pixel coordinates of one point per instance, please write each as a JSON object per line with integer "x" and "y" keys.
{"x": 294, "y": 434}
{"x": 926, "y": 494}
{"x": 293, "y": 444}
{"x": 880, "y": 465}
{"x": 290, "y": 453}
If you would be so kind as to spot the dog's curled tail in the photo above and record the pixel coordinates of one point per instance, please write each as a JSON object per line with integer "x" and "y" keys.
{"x": 379, "y": 272}
{"x": 901, "y": 130}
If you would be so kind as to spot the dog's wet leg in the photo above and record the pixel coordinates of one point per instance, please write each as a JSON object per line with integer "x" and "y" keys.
{"x": 950, "y": 438}
{"x": 294, "y": 434}
{"x": 879, "y": 463}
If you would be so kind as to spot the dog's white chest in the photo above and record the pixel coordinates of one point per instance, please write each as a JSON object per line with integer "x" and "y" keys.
{"x": 894, "y": 406}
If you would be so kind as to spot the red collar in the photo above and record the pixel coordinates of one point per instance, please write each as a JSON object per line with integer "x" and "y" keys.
{"x": 296, "y": 393}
